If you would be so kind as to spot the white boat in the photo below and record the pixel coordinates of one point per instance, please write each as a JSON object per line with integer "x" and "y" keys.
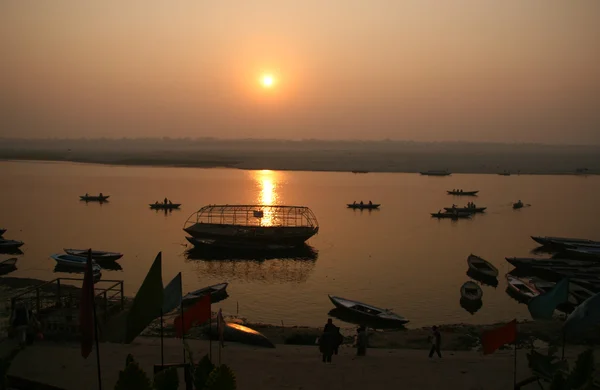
{"x": 74, "y": 262}
{"x": 481, "y": 266}
{"x": 471, "y": 291}
{"x": 521, "y": 288}
{"x": 96, "y": 255}
{"x": 216, "y": 291}
{"x": 369, "y": 311}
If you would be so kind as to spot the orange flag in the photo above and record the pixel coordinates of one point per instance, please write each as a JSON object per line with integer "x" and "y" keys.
{"x": 197, "y": 314}
{"x": 86, "y": 314}
{"x": 493, "y": 339}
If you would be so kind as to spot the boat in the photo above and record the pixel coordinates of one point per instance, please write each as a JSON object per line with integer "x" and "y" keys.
{"x": 533, "y": 262}
{"x": 481, "y": 266}
{"x": 217, "y": 292}
{"x": 518, "y": 205}
{"x": 364, "y": 206}
{"x": 253, "y": 225}
{"x": 74, "y": 261}
{"x": 578, "y": 292}
{"x": 164, "y": 206}
{"x": 96, "y": 255}
{"x": 505, "y": 173}
{"x": 8, "y": 265}
{"x": 367, "y": 311}
{"x": 471, "y": 291}
{"x": 584, "y": 252}
{"x": 360, "y": 171}
{"x": 470, "y": 306}
{"x": 10, "y": 244}
{"x": 521, "y": 289}
{"x": 466, "y": 209}
{"x": 452, "y": 215}
{"x": 94, "y": 198}
{"x": 563, "y": 241}
{"x": 435, "y": 173}
{"x": 238, "y": 333}
{"x": 462, "y": 193}
{"x": 2, "y": 231}
{"x": 475, "y": 275}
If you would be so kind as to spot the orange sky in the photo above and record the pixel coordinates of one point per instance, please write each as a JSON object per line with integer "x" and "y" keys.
{"x": 479, "y": 70}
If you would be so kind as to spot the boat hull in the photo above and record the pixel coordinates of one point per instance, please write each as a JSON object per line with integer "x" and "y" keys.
{"x": 463, "y": 193}
{"x": 10, "y": 244}
{"x": 162, "y": 206}
{"x": 466, "y": 209}
{"x": 94, "y": 198}
{"x": 376, "y": 318}
{"x": 96, "y": 255}
{"x": 363, "y": 206}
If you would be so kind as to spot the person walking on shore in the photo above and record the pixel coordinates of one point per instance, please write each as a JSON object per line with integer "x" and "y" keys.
{"x": 326, "y": 346}
{"x": 436, "y": 340}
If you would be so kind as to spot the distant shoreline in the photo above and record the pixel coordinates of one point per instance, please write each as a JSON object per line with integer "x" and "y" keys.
{"x": 174, "y": 163}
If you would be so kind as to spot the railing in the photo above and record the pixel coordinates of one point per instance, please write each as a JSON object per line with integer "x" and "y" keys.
{"x": 56, "y": 299}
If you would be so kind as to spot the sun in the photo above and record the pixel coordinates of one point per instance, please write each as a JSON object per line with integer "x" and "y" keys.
{"x": 267, "y": 80}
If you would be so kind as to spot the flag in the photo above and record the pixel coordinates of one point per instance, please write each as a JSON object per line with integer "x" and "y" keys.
{"x": 86, "y": 310}
{"x": 493, "y": 339}
{"x": 172, "y": 294}
{"x": 197, "y": 314}
{"x": 147, "y": 303}
{"x": 220, "y": 327}
{"x": 584, "y": 317}
{"x": 542, "y": 306}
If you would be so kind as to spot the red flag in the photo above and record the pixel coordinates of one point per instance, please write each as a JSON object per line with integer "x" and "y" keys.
{"x": 86, "y": 313}
{"x": 220, "y": 327}
{"x": 197, "y": 314}
{"x": 493, "y": 339}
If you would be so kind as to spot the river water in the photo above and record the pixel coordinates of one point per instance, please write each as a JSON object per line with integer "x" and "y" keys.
{"x": 397, "y": 257}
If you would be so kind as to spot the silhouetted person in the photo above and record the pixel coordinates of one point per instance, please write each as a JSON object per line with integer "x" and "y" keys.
{"x": 326, "y": 345}
{"x": 370, "y": 203}
{"x": 101, "y": 194}
{"x": 165, "y": 200}
{"x": 436, "y": 340}
{"x": 361, "y": 202}
{"x": 329, "y": 327}
{"x": 20, "y": 321}
{"x": 361, "y": 341}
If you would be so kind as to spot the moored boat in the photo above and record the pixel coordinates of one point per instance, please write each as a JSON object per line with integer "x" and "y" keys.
{"x": 481, "y": 266}
{"x": 520, "y": 288}
{"x": 462, "y": 193}
{"x": 533, "y": 262}
{"x": 471, "y": 291}
{"x": 2, "y": 231}
{"x": 564, "y": 241}
{"x": 253, "y": 225}
{"x": 367, "y": 311}
{"x": 96, "y": 255}
{"x": 164, "y": 206}
{"x": 94, "y": 198}
{"x": 584, "y": 252}
{"x": 217, "y": 292}
{"x": 74, "y": 261}
{"x": 435, "y": 173}
{"x": 518, "y": 205}
{"x": 363, "y": 206}
{"x": 10, "y": 244}
{"x": 8, "y": 265}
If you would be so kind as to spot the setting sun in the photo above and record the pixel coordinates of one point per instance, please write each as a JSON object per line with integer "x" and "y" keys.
{"x": 267, "y": 80}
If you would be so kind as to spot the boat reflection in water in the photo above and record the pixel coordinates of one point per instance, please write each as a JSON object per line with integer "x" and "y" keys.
{"x": 489, "y": 281}
{"x": 470, "y": 305}
{"x": 276, "y": 266}
{"x": 373, "y": 323}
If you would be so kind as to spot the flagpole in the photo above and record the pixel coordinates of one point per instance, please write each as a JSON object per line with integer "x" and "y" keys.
{"x": 96, "y": 337}
{"x": 564, "y": 339}
{"x": 210, "y": 336}
{"x": 182, "y": 332}
{"x": 515, "y": 367}
{"x": 162, "y": 342}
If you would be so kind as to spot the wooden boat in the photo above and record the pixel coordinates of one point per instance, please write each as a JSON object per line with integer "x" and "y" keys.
{"x": 462, "y": 193}
{"x": 94, "y": 198}
{"x": 504, "y": 173}
{"x": 164, "y": 206}
{"x": 253, "y": 225}
{"x": 471, "y": 291}
{"x": 74, "y": 261}
{"x": 360, "y": 171}
{"x": 216, "y": 291}
{"x": 10, "y": 244}
{"x": 364, "y": 206}
{"x": 8, "y": 265}
{"x": 579, "y": 293}
{"x": 533, "y": 262}
{"x": 584, "y": 252}
{"x": 518, "y": 205}
{"x": 452, "y": 215}
{"x": 564, "y": 241}
{"x": 481, "y": 266}
{"x": 2, "y": 231}
{"x": 367, "y": 311}
{"x": 466, "y": 209}
{"x": 96, "y": 255}
{"x": 520, "y": 288}
{"x": 435, "y": 173}
{"x": 237, "y": 333}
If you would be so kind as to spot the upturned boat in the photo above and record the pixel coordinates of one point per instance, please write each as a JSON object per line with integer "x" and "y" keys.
{"x": 252, "y": 225}
{"x": 367, "y": 311}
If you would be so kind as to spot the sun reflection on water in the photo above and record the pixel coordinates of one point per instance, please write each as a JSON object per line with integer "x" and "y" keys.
{"x": 267, "y": 181}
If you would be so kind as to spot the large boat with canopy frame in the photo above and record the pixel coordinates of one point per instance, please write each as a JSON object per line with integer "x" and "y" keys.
{"x": 252, "y": 226}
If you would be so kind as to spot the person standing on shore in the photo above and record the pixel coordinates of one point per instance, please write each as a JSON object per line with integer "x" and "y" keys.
{"x": 361, "y": 341}
{"x": 326, "y": 345}
{"x": 436, "y": 340}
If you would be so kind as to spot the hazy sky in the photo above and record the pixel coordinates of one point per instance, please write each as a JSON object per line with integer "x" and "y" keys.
{"x": 480, "y": 70}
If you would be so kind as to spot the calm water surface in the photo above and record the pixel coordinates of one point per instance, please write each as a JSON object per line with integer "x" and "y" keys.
{"x": 397, "y": 257}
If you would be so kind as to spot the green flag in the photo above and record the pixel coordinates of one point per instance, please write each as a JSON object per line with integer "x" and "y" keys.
{"x": 147, "y": 302}
{"x": 172, "y": 295}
